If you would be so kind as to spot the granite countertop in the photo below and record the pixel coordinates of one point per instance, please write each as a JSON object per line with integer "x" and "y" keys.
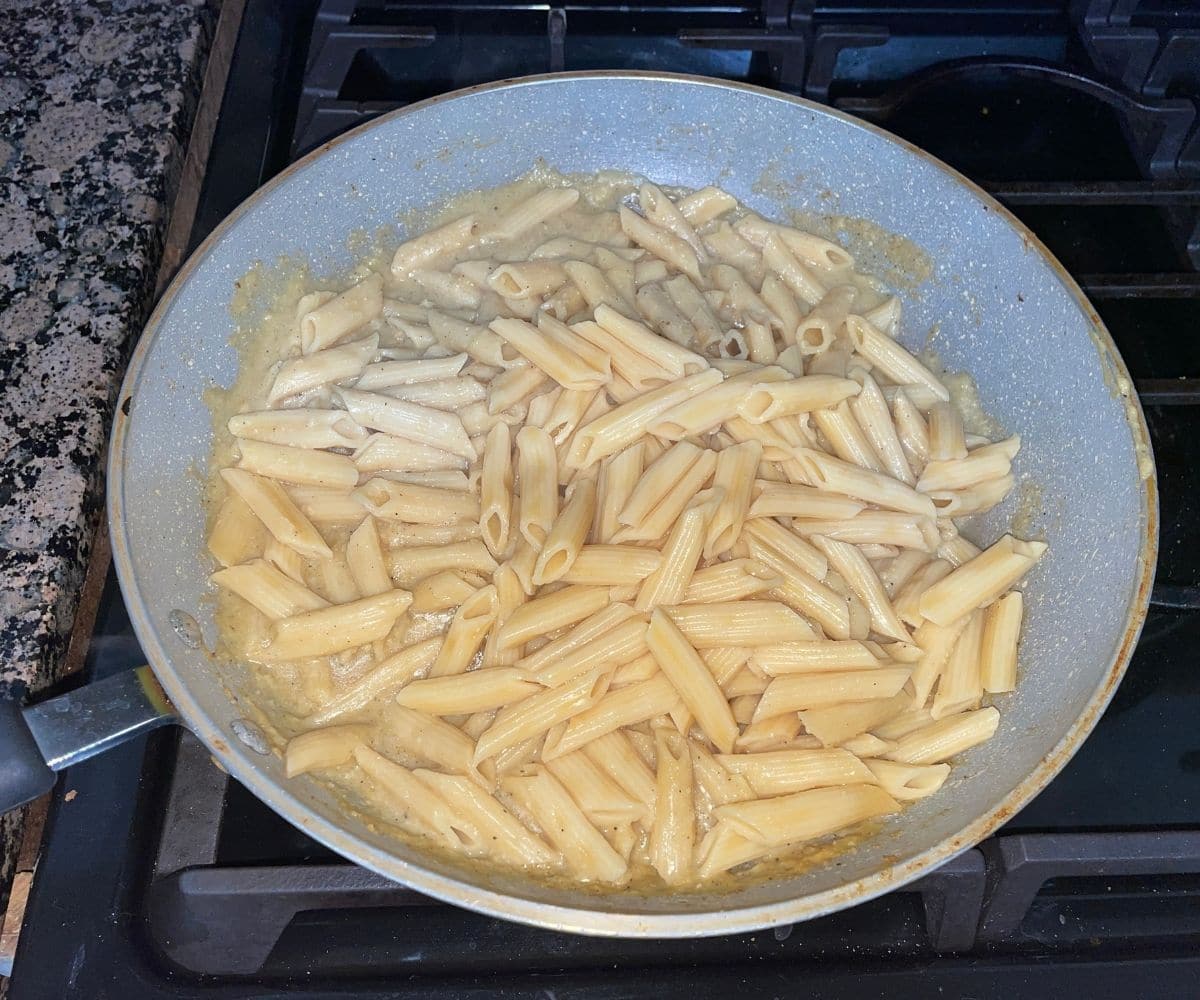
{"x": 96, "y": 106}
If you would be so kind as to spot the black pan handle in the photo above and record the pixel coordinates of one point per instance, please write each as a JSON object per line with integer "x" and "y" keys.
{"x": 38, "y": 741}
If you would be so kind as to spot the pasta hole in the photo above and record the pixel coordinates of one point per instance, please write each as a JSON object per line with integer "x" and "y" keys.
{"x": 812, "y": 336}
{"x": 555, "y": 566}
{"x": 506, "y": 284}
{"x": 493, "y": 528}
{"x": 509, "y": 353}
{"x": 836, "y": 258}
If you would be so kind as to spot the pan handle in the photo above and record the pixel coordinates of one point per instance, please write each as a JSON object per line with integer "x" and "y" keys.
{"x": 37, "y": 741}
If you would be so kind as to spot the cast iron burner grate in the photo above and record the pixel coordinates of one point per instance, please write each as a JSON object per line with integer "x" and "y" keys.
{"x": 161, "y": 878}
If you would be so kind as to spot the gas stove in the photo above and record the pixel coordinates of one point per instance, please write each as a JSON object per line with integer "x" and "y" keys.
{"x": 161, "y": 877}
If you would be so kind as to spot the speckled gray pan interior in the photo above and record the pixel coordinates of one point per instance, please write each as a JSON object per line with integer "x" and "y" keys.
{"x": 1045, "y": 366}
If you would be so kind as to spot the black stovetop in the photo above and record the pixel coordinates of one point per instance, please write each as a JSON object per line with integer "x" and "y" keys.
{"x": 161, "y": 878}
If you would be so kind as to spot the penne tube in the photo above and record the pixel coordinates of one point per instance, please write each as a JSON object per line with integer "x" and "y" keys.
{"x": 710, "y": 409}
{"x": 891, "y": 359}
{"x": 828, "y": 473}
{"x": 396, "y": 670}
{"x": 972, "y": 500}
{"x": 946, "y": 738}
{"x": 947, "y": 441}
{"x": 297, "y": 466}
{"x": 237, "y": 534}
{"x": 466, "y": 633}
{"x": 535, "y": 209}
{"x": 998, "y": 645}
{"x": 300, "y": 428}
{"x": 960, "y": 686}
{"x": 527, "y": 279}
{"x": 548, "y": 355}
{"x": 536, "y": 714}
{"x": 885, "y": 316}
{"x": 441, "y": 591}
{"x": 623, "y": 425}
{"x": 537, "y": 475}
{"x": 821, "y": 656}
{"x": 665, "y": 213}
{"x": 604, "y": 620}
{"x": 664, "y": 244}
{"x": 739, "y": 623}
{"x": 798, "y": 276}
{"x": 669, "y": 583}
{"x": 673, "y": 832}
{"x": 870, "y": 411}
{"x": 364, "y": 559}
{"x": 463, "y": 693}
{"x": 408, "y": 420}
{"x": 705, "y": 205}
{"x": 627, "y": 706}
{"x": 436, "y": 243}
{"x": 619, "y": 645}
{"x": 502, "y": 835}
{"x": 333, "y": 629}
{"x": 657, "y": 481}
{"x": 387, "y": 374}
{"x": 612, "y": 565}
{"x": 787, "y": 500}
{"x": 604, "y": 802}
{"x": 836, "y": 724}
{"x": 594, "y": 286}
{"x": 413, "y": 504}
{"x": 790, "y": 547}
{"x": 331, "y": 321}
{"x": 683, "y": 667}
{"x": 692, "y": 304}
{"x": 449, "y": 394}
{"x": 844, "y": 437}
{"x": 397, "y": 534}
{"x": 275, "y": 509}
{"x": 911, "y": 430}
{"x": 656, "y": 308}
{"x": 819, "y": 328}
{"x": 619, "y": 476}
{"x": 767, "y": 401}
{"x": 797, "y": 692}
{"x": 411, "y": 564}
{"x": 547, "y": 614}
{"x": 289, "y": 562}
{"x": 875, "y": 527}
{"x": 785, "y": 772}
{"x": 319, "y": 749}
{"x": 388, "y": 453}
{"x": 335, "y": 364}
{"x": 262, "y": 585}
{"x": 588, "y": 855}
{"x": 908, "y": 782}
{"x": 496, "y": 490}
{"x": 426, "y": 739}
{"x": 729, "y": 581}
{"x": 670, "y": 508}
{"x": 459, "y": 337}
{"x": 936, "y": 643}
{"x": 665, "y": 355}
{"x": 766, "y": 824}
{"x": 993, "y": 461}
{"x": 907, "y": 601}
{"x": 567, "y": 534}
{"x": 568, "y": 413}
{"x": 616, "y": 756}
{"x": 981, "y": 580}
{"x": 733, "y": 477}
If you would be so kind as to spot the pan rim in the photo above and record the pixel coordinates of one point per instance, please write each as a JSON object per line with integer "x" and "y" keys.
{"x": 718, "y": 919}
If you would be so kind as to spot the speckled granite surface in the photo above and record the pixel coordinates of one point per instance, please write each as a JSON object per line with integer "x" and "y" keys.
{"x": 96, "y": 104}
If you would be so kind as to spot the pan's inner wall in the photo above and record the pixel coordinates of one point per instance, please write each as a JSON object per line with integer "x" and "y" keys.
{"x": 993, "y": 304}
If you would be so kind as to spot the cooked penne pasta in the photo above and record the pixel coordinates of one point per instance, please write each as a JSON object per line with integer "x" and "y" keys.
{"x": 598, "y": 560}
{"x": 981, "y": 580}
{"x": 998, "y": 644}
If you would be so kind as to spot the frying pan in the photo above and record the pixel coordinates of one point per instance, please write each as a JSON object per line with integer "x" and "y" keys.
{"x": 994, "y": 302}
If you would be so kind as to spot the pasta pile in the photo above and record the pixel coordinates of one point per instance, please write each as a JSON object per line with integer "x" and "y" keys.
{"x": 618, "y": 542}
